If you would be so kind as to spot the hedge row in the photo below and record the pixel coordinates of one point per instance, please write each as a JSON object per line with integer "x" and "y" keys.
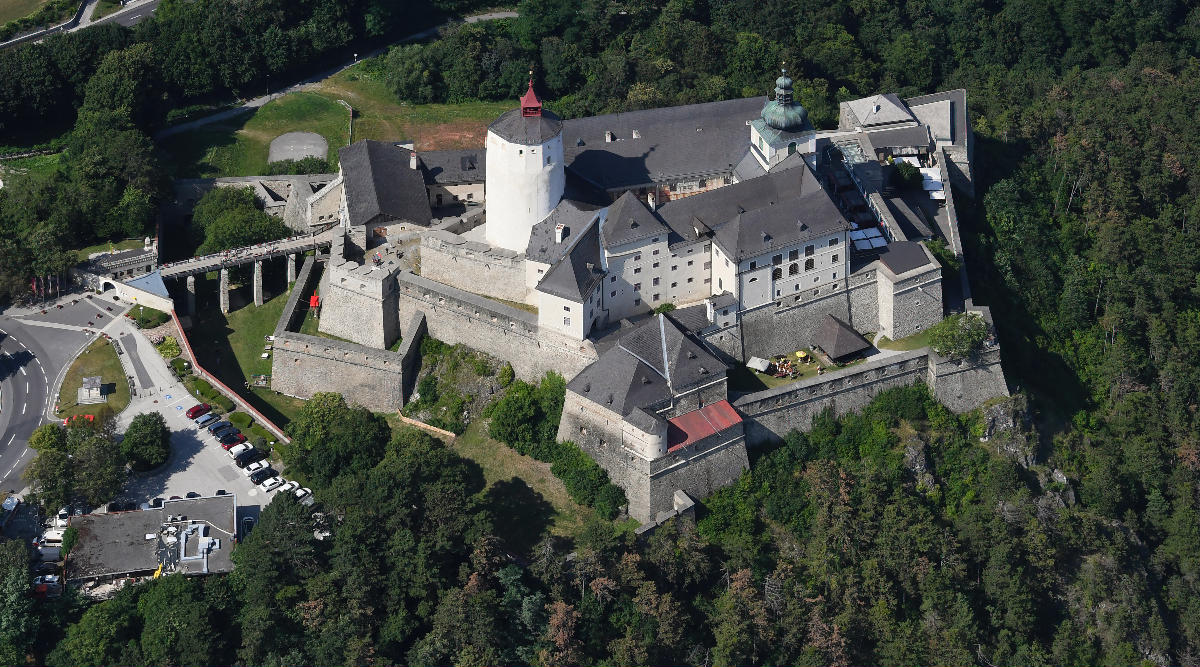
{"x": 207, "y": 393}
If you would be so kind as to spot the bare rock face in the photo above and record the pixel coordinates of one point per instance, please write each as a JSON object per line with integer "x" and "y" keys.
{"x": 916, "y": 460}
{"x": 1009, "y": 429}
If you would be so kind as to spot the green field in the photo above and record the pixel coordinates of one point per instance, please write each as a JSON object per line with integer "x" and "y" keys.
{"x": 98, "y": 359}
{"x": 505, "y": 467}
{"x": 230, "y": 346}
{"x": 11, "y": 10}
{"x": 104, "y": 8}
{"x": 127, "y": 244}
{"x": 913, "y": 342}
{"x": 239, "y": 146}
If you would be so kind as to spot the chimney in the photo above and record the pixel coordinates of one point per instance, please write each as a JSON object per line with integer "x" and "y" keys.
{"x": 637, "y": 135}
{"x": 561, "y": 232}
{"x": 609, "y": 137}
{"x": 412, "y": 160}
{"x": 650, "y": 199}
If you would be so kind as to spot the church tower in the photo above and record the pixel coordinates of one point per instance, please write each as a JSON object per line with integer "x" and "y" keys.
{"x": 525, "y": 176}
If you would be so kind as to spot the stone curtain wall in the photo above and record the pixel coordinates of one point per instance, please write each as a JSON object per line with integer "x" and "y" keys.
{"x": 458, "y": 317}
{"x": 493, "y": 272}
{"x": 302, "y": 365}
{"x": 967, "y": 385}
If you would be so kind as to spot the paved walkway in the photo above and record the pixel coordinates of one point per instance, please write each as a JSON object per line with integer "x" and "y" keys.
{"x": 304, "y": 84}
{"x": 238, "y": 256}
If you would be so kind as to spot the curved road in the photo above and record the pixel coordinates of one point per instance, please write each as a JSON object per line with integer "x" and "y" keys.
{"x": 26, "y": 389}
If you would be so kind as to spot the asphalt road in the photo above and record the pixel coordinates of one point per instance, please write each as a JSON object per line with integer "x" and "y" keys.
{"x": 130, "y": 17}
{"x": 35, "y": 351}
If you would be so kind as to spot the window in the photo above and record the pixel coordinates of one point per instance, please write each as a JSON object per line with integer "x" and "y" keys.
{"x": 816, "y": 292}
{"x": 808, "y": 264}
{"x": 691, "y": 280}
{"x": 691, "y": 262}
{"x": 470, "y": 196}
{"x": 777, "y": 260}
{"x": 753, "y": 265}
{"x": 720, "y": 284}
{"x": 637, "y": 270}
{"x": 541, "y": 271}
{"x": 793, "y": 269}
{"x": 703, "y": 183}
{"x": 707, "y": 266}
{"x": 566, "y": 321}
{"x": 674, "y": 285}
{"x": 708, "y": 247}
{"x": 835, "y": 274}
{"x": 674, "y": 267}
{"x": 816, "y": 279}
{"x": 547, "y": 159}
{"x": 656, "y": 281}
{"x": 776, "y": 273}
{"x": 637, "y": 257}
{"x": 654, "y": 253}
{"x": 808, "y": 250}
{"x": 776, "y": 292}
{"x": 796, "y": 287}
{"x": 656, "y": 297}
{"x": 833, "y": 242}
{"x": 706, "y": 280}
{"x": 612, "y": 279}
{"x": 654, "y": 240}
{"x": 637, "y": 302}
{"x": 613, "y": 293}
{"x": 835, "y": 257}
{"x": 567, "y": 308}
{"x": 654, "y": 266}
{"x": 754, "y": 280}
{"x": 793, "y": 255}
{"x": 637, "y": 286}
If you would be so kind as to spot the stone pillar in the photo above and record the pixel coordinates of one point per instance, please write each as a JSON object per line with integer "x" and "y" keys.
{"x": 224, "y": 290}
{"x": 257, "y": 285}
{"x": 191, "y": 295}
{"x": 290, "y": 260}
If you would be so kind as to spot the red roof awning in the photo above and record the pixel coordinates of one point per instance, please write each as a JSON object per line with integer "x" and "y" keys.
{"x": 699, "y": 424}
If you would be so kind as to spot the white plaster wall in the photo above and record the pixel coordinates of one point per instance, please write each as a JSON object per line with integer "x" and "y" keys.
{"x": 456, "y": 193}
{"x": 534, "y": 272}
{"x": 724, "y": 273}
{"x": 553, "y": 312}
{"x": 524, "y": 183}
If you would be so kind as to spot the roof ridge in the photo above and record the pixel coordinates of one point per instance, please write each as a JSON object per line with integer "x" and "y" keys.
{"x": 662, "y": 334}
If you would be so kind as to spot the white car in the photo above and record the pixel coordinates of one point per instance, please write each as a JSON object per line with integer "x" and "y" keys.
{"x": 289, "y": 487}
{"x": 271, "y": 483}
{"x": 255, "y": 467}
{"x": 60, "y": 519}
{"x": 238, "y": 449}
{"x": 304, "y": 495}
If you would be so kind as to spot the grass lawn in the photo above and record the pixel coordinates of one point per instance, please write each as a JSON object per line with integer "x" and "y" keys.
{"x": 238, "y": 146}
{"x": 38, "y": 164}
{"x": 98, "y": 359}
{"x": 744, "y": 379}
{"x": 511, "y": 477}
{"x": 913, "y": 342}
{"x": 11, "y": 10}
{"x": 104, "y": 8}
{"x": 127, "y": 244}
{"x": 230, "y": 345}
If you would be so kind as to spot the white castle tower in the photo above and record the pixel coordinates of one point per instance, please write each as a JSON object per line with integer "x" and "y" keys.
{"x": 525, "y": 177}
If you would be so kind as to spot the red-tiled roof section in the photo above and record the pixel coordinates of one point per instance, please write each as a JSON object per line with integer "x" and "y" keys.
{"x": 699, "y": 424}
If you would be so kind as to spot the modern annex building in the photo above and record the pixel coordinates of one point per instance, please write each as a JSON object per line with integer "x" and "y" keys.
{"x": 767, "y": 236}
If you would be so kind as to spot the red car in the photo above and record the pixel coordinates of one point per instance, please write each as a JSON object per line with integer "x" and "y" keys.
{"x": 197, "y": 410}
{"x": 232, "y": 440}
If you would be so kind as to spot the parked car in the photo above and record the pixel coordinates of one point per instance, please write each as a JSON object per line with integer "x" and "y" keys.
{"x": 249, "y": 456}
{"x": 51, "y": 579}
{"x": 60, "y": 519}
{"x": 213, "y": 427}
{"x": 231, "y": 439}
{"x": 197, "y": 410}
{"x": 238, "y": 449}
{"x": 252, "y": 468}
{"x": 289, "y": 487}
{"x": 206, "y": 419}
{"x": 271, "y": 483}
{"x": 304, "y": 495}
{"x": 258, "y": 476}
{"x": 224, "y": 431}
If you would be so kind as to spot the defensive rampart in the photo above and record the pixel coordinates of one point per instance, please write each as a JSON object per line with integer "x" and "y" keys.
{"x": 459, "y": 317}
{"x": 303, "y": 365}
{"x": 493, "y": 272}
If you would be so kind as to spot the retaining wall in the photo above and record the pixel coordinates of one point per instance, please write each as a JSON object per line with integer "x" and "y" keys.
{"x": 459, "y": 317}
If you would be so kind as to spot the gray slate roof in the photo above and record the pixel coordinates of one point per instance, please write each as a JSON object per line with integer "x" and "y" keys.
{"x": 958, "y": 110}
{"x": 151, "y": 282}
{"x": 890, "y": 110}
{"x": 515, "y": 128}
{"x": 378, "y": 181}
{"x": 839, "y": 339}
{"x": 630, "y": 220}
{"x": 691, "y": 319}
{"x": 575, "y": 215}
{"x": 903, "y": 256}
{"x": 753, "y": 217}
{"x": 576, "y": 275}
{"x": 916, "y": 135}
{"x": 675, "y": 143}
{"x": 651, "y": 363}
{"x": 453, "y": 167}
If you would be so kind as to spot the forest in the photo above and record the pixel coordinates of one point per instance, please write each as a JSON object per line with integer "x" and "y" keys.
{"x": 890, "y": 536}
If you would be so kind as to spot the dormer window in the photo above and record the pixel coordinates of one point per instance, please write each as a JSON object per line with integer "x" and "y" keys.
{"x": 633, "y": 224}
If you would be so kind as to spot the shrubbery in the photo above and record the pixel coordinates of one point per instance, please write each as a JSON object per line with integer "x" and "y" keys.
{"x": 169, "y": 348}
{"x": 526, "y": 419}
{"x": 147, "y": 441}
{"x": 240, "y": 420}
{"x": 959, "y": 335}
{"x": 200, "y": 388}
{"x": 148, "y": 318}
{"x": 308, "y": 165}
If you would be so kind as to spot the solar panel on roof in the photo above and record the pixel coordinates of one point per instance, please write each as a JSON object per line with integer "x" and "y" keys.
{"x": 872, "y": 233}
{"x": 878, "y": 242}
{"x": 862, "y": 245}
{"x": 858, "y": 234}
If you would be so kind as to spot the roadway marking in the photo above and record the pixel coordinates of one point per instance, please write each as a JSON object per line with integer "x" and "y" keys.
{"x": 23, "y": 406}
{"x": 22, "y": 369}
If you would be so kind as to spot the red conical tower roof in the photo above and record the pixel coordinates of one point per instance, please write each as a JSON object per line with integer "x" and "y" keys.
{"x": 530, "y": 104}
